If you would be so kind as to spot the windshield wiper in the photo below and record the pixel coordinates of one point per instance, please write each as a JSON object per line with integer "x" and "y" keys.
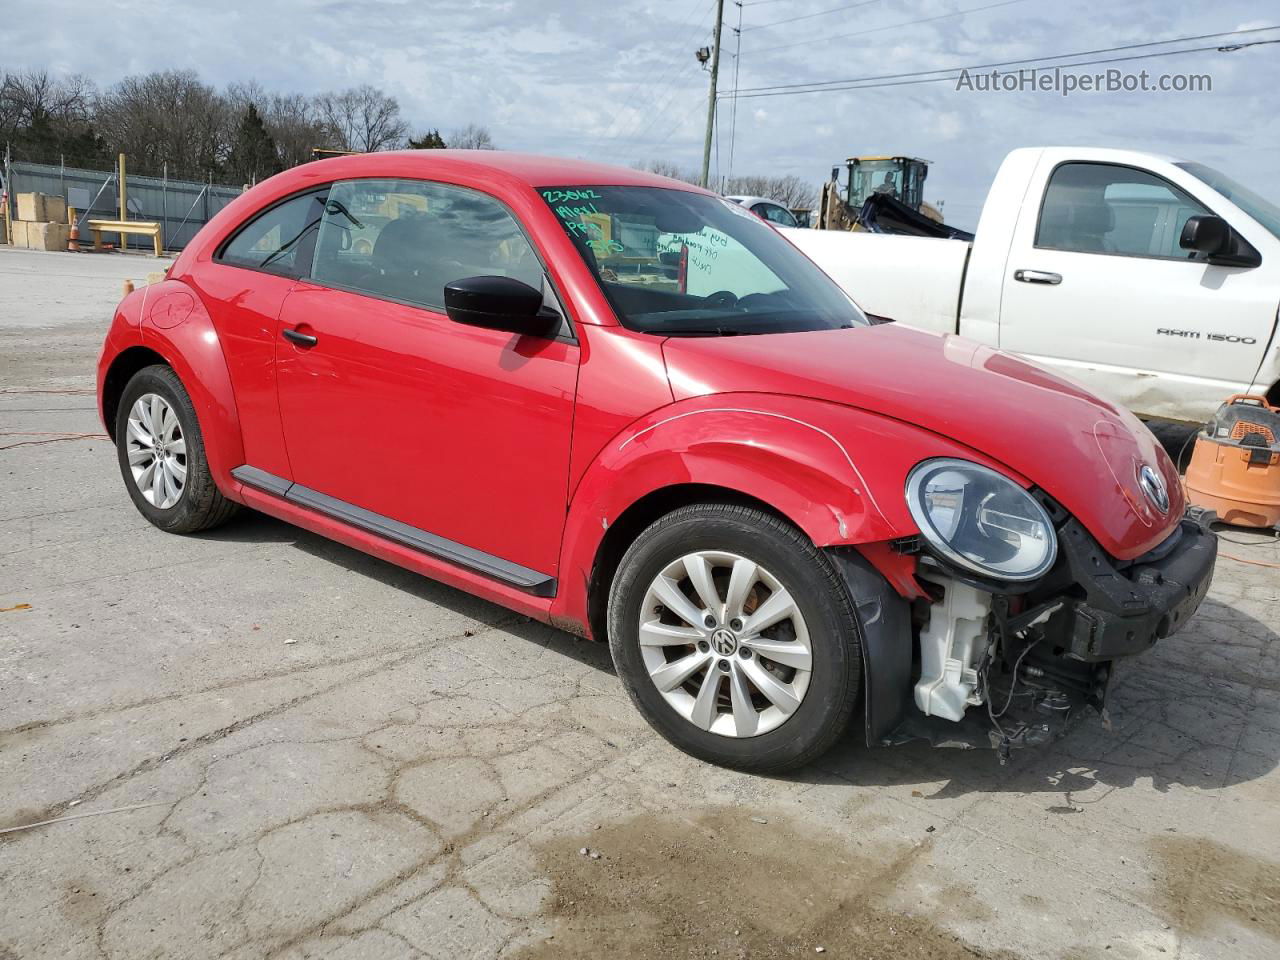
{"x": 720, "y": 330}
{"x": 703, "y": 332}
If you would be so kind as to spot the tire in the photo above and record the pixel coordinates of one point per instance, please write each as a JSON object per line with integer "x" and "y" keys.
{"x": 708, "y": 725}
{"x": 189, "y": 501}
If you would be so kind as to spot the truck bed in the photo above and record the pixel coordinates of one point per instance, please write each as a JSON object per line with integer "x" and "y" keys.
{"x": 913, "y": 280}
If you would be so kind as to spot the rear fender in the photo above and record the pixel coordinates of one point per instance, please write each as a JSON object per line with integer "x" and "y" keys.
{"x": 172, "y": 322}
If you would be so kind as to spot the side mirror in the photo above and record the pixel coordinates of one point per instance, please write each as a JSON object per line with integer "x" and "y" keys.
{"x": 499, "y": 303}
{"x": 1221, "y": 246}
{"x": 1205, "y": 234}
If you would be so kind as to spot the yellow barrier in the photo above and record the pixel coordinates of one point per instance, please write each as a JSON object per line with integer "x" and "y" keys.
{"x": 146, "y": 228}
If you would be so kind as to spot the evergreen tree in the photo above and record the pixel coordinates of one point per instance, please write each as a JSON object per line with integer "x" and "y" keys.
{"x": 431, "y": 140}
{"x": 253, "y": 154}
{"x": 43, "y": 139}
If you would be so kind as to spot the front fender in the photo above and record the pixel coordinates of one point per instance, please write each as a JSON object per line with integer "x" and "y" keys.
{"x": 171, "y": 321}
{"x": 836, "y": 472}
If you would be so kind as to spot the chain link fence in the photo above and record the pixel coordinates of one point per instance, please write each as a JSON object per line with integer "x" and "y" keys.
{"x": 180, "y": 206}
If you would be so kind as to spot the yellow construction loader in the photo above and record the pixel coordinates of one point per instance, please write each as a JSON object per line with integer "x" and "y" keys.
{"x": 876, "y": 184}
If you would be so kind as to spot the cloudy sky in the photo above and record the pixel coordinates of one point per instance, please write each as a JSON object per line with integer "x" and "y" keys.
{"x": 618, "y": 81}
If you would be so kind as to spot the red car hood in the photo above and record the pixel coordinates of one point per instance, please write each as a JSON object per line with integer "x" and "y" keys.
{"x": 1083, "y": 450}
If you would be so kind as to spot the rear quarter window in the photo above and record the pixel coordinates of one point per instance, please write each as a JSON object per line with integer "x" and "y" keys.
{"x": 280, "y": 239}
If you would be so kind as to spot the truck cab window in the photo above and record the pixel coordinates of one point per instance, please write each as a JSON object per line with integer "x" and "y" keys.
{"x": 1105, "y": 208}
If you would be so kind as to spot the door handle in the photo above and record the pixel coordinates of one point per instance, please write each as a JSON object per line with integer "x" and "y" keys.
{"x": 300, "y": 338}
{"x": 1038, "y": 276}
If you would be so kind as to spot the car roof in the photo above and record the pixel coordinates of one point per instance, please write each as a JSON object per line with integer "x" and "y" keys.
{"x": 748, "y": 200}
{"x": 533, "y": 169}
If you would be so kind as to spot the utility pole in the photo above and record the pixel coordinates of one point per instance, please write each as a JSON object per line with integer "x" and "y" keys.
{"x": 733, "y": 114}
{"x": 711, "y": 99}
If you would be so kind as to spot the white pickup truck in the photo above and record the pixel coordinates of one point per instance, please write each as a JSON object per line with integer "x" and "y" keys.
{"x": 1153, "y": 281}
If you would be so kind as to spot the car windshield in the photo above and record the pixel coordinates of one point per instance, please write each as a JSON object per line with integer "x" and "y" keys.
{"x": 678, "y": 263}
{"x": 1260, "y": 208}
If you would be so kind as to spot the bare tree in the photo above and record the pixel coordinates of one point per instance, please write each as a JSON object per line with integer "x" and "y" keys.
{"x": 168, "y": 117}
{"x": 790, "y": 191}
{"x": 471, "y": 137}
{"x": 240, "y": 95}
{"x": 46, "y": 120}
{"x": 172, "y": 117}
{"x": 28, "y": 97}
{"x": 291, "y": 119}
{"x": 667, "y": 168}
{"x": 296, "y": 128}
{"x": 362, "y": 118}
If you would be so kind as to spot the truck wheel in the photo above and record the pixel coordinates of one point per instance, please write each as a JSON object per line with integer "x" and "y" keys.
{"x": 735, "y": 637}
{"x": 161, "y": 454}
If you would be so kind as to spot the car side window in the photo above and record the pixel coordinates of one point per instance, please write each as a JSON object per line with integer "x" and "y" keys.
{"x": 1105, "y": 208}
{"x": 776, "y": 214}
{"x": 404, "y": 240}
{"x": 281, "y": 239}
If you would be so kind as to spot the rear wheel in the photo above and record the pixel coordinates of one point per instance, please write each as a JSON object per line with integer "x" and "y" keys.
{"x": 161, "y": 454}
{"x": 735, "y": 637}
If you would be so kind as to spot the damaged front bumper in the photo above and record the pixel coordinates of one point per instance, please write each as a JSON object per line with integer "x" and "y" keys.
{"x": 986, "y": 665}
{"x": 1125, "y": 611}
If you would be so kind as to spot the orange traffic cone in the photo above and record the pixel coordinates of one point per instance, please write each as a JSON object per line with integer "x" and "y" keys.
{"x": 73, "y": 244}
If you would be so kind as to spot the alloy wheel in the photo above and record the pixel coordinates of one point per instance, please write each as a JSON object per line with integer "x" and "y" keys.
{"x": 725, "y": 644}
{"x": 157, "y": 450}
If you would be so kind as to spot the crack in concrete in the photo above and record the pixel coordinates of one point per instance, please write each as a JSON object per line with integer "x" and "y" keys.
{"x": 213, "y": 736}
{"x": 238, "y": 682}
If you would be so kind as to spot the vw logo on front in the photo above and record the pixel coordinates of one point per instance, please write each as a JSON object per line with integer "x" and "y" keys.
{"x": 1153, "y": 487}
{"x": 724, "y": 642}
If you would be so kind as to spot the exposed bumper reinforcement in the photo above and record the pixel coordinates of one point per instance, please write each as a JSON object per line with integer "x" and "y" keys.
{"x": 1125, "y": 613}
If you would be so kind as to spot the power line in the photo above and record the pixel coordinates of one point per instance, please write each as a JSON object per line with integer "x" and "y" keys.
{"x": 641, "y": 121}
{"x": 818, "y": 85}
{"x": 896, "y": 26}
{"x": 733, "y": 113}
{"x": 809, "y": 16}
{"x": 651, "y": 76}
{"x": 862, "y": 85}
{"x": 957, "y": 76}
{"x": 681, "y": 120}
{"x": 653, "y": 118}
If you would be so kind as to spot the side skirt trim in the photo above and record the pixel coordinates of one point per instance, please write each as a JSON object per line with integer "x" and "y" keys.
{"x": 531, "y": 581}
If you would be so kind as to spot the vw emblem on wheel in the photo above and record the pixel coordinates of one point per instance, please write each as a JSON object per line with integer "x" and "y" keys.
{"x": 1153, "y": 486}
{"x": 723, "y": 642}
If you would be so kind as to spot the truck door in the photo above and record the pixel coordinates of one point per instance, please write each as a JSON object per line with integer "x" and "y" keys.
{"x": 1097, "y": 287}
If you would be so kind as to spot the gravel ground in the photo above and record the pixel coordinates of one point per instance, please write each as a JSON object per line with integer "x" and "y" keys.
{"x": 299, "y": 751}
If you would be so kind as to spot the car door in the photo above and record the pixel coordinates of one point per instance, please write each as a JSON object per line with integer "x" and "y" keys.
{"x": 388, "y": 406}
{"x": 1097, "y": 285}
{"x": 251, "y": 275}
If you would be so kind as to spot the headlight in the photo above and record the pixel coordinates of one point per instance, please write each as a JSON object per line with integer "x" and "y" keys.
{"x": 981, "y": 520}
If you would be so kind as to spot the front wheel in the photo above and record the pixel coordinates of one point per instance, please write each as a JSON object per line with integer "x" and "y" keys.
{"x": 161, "y": 454}
{"x": 735, "y": 637}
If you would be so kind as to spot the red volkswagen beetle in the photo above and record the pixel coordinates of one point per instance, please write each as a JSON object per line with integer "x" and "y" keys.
{"x": 627, "y": 407}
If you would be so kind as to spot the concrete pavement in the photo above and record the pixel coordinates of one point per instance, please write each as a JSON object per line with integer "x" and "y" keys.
{"x": 322, "y": 755}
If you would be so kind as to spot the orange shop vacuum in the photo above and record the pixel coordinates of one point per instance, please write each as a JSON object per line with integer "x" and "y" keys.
{"x": 1235, "y": 466}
